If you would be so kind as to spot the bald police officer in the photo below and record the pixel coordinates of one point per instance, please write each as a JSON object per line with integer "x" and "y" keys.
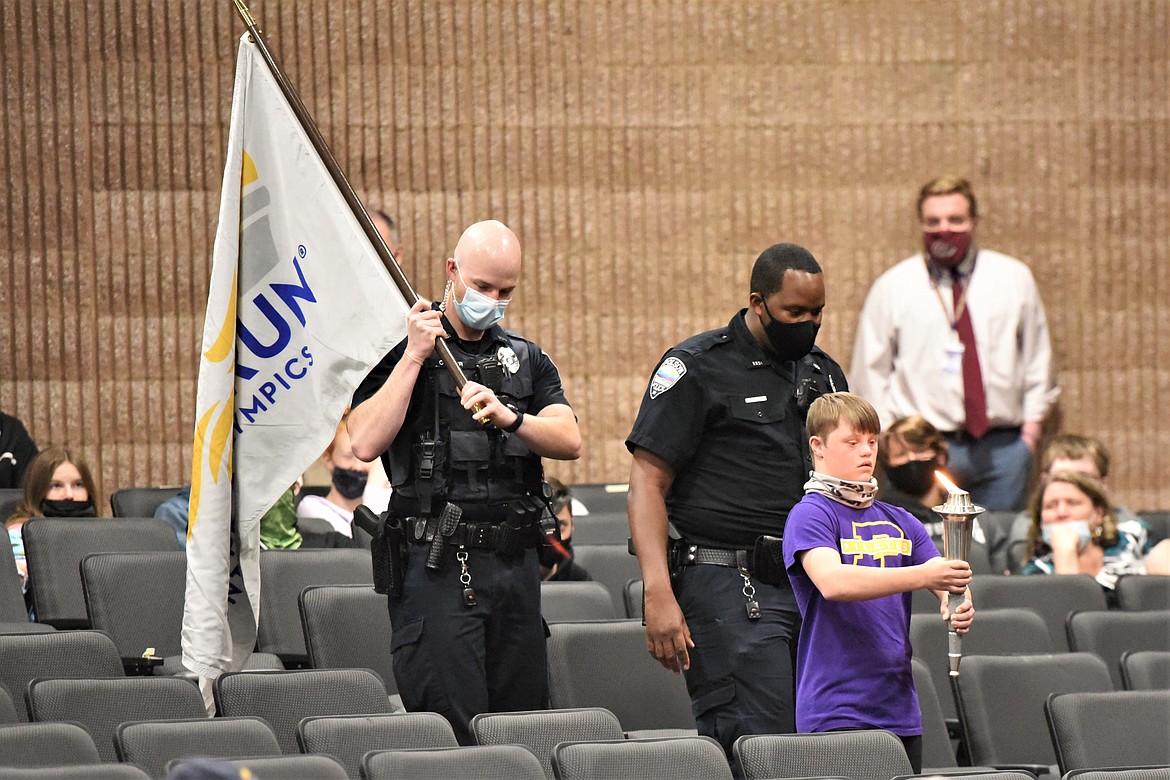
{"x": 467, "y": 630}
{"x": 720, "y": 451}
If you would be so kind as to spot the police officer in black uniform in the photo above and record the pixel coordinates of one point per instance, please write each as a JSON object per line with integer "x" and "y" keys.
{"x": 464, "y": 518}
{"x": 720, "y": 451}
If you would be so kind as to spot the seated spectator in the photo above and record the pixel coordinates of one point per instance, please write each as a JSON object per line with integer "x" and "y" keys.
{"x": 553, "y": 565}
{"x": 910, "y": 450}
{"x": 57, "y": 483}
{"x": 175, "y": 512}
{"x": 278, "y": 526}
{"x": 1075, "y": 531}
{"x": 349, "y": 477}
{"x": 17, "y": 450}
{"x": 1067, "y": 452}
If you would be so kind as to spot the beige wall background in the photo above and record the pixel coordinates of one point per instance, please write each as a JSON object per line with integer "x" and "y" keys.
{"x": 645, "y": 153}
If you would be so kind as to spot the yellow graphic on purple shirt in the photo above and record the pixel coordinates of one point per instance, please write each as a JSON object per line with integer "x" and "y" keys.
{"x": 876, "y": 540}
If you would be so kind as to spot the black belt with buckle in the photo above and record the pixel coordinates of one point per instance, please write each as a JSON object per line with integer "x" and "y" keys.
{"x": 764, "y": 561}
{"x": 694, "y": 555}
{"x": 482, "y": 536}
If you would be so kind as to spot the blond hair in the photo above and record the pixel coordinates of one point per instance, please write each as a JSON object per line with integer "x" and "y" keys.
{"x": 1095, "y": 492}
{"x": 948, "y": 185}
{"x": 915, "y": 433}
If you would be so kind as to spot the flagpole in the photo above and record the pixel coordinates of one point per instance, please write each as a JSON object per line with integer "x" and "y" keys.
{"x": 347, "y": 191}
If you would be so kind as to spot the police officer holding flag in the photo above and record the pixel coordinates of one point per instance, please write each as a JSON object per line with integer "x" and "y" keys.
{"x": 460, "y": 538}
{"x": 720, "y": 452}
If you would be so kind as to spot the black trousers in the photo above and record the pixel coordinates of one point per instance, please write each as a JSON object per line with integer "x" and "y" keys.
{"x": 741, "y": 679}
{"x": 459, "y": 661}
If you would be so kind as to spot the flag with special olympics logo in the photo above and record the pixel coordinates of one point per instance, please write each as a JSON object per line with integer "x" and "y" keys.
{"x": 300, "y": 308}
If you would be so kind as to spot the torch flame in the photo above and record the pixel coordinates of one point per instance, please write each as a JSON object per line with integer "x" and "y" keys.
{"x": 950, "y": 486}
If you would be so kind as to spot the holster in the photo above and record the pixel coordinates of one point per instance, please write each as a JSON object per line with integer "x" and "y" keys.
{"x": 767, "y": 561}
{"x": 387, "y": 549}
{"x": 675, "y": 555}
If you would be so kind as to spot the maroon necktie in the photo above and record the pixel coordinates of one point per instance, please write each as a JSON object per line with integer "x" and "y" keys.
{"x": 974, "y": 399}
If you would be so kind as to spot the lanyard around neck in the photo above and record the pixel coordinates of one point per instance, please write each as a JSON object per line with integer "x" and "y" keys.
{"x": 961, "y": 307}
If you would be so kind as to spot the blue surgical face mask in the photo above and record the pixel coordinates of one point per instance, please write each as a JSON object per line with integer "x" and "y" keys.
{"x": 1082, "y": 527}
{"x": 478, "y": 311}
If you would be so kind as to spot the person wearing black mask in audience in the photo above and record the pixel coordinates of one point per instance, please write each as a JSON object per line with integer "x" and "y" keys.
{"x": 348, "y": 484}
{"x": 910, "y": 450}
{"x": 57, "y": 483}
{"x": 557, "y": 565}
{"x": 720, "y": 452}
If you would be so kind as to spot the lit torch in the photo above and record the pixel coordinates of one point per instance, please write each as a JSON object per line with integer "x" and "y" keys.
{"x": 958, "y": 516}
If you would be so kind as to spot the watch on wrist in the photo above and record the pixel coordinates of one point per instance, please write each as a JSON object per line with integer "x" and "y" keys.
{"x": 515, "y": 423}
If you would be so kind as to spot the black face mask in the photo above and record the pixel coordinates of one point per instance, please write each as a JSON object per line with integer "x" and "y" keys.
{"x": 790, "y": 340}
{"x": 349, "y": 483}
{"x": 67, "y": 508}
{"x": 914, "y": 478}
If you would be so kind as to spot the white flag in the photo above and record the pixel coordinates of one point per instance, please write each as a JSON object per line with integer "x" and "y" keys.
{"x": 300, "y": 308}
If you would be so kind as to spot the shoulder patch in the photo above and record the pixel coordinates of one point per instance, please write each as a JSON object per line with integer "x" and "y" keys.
{"x": 669, "y": 371}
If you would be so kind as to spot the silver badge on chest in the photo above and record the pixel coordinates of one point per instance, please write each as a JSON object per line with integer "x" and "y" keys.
{"x": 508, "y": 359}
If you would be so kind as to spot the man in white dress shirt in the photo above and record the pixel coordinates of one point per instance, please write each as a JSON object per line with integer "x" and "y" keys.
{"x": 958, "y": 335}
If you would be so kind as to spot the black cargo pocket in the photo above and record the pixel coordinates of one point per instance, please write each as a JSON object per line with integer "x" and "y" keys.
{"x": 470, "y": 454}
{"x": 407, "y": 634}
{"x": 704, "y": 707}
{"x": 709, "y": 678}
{"x": 761, "y": 409}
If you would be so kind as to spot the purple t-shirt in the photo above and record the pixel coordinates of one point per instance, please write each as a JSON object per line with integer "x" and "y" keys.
{"x": 853, "y": 658}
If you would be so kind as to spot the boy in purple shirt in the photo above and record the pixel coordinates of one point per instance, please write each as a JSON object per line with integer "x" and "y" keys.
{"x": 853, "y": 563}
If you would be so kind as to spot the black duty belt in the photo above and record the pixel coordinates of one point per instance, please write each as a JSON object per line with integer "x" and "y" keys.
{"x": 483, "y": 536}
{"x": 765, "y": 561}
{"x": 694, "y": 555}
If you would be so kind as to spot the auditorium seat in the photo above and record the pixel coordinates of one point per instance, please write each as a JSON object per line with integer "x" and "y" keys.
{"x": 55, "y": 548}
{"x": 285, "y": 573}
{"x": 349, "y": 737}
{"x": 152, "y": 744}
{"x": 1001, "y": 704}
{"x": 101, "y": 705}
{"x": 542, "y": 730}
{"x": 348, "y": 626}
{"x": 672, "y": 758}
{"x": 26, "y": 657}
{"x": 833, "y": 753}
{"x": 611, "y": 565}
{"x": 1110, "y": 634}
{"x": 605, "y": 664}
{"x": 140, "y": 501}
{"x": 1052, "y": 596}
{"x": 284, "y": 698}
{"x": 562, "y": 602}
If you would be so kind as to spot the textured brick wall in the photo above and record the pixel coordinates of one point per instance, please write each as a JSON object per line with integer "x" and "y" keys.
{"x": 645, "y": 152}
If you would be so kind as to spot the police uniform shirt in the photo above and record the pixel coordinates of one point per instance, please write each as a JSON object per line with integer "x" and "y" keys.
{"x": 546, "y": 387}
{"x": 724, "y": 415}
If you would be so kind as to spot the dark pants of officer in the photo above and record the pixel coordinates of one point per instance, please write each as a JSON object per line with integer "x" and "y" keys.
{"x": 741, "y": 679}
{"x": 458, "y": 660}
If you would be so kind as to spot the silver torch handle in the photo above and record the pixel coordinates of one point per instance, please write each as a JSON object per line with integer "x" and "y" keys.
{"x": 954, "y": 641}
{"x": 956, "y": 546}
{"x": 958, "y": 516}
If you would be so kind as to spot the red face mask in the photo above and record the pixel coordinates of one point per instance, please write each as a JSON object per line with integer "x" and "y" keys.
{"x": 945, "y": 247}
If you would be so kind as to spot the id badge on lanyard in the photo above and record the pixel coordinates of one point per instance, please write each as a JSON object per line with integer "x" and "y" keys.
{"x": 953, "y": 356}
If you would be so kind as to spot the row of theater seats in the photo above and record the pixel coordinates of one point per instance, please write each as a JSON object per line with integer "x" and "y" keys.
{"x": 343, "y": 714}
{"x": 136, "y": 594}
{"x": 299, "y": 583}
